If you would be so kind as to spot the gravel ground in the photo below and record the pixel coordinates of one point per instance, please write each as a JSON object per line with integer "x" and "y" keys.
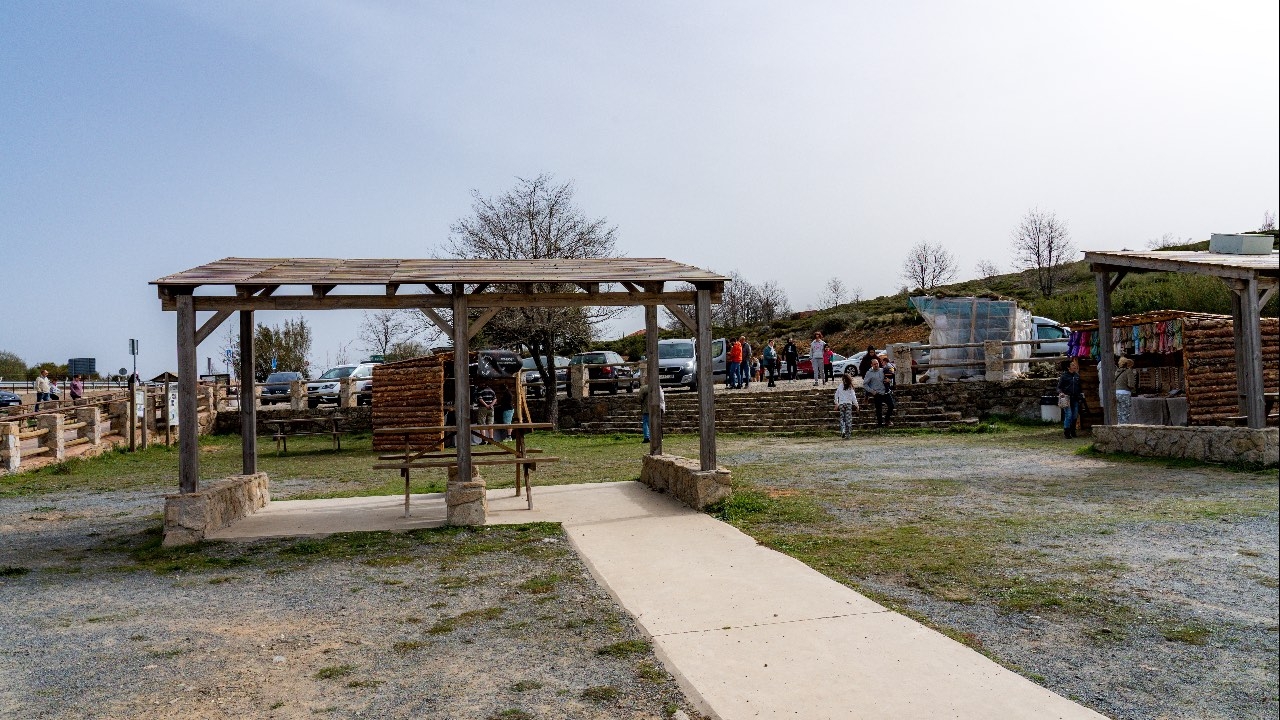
{"x": 498, "y": 623}
{"x": 1188, "y": 553}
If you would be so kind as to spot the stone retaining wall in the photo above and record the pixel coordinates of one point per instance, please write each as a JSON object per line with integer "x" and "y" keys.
{"x": 1207, "y": 443}
{"x": 188, "y": 517}
{"x": 685, "y": 479}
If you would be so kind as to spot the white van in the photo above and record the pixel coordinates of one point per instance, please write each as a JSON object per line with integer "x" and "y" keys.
{"x": 678, "y": 365}
{"x": 1055, "y": 335}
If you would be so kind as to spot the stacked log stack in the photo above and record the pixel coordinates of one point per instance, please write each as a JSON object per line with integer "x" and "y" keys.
{"x": 1209, "y": 366}
{"x": 409, "y": 393}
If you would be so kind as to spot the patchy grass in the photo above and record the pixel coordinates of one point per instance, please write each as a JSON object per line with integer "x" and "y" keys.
{"x": 526, "y": 685}
{"x": 333, "y": 672}
{"x": 1191, "y": 632}
{"x": 470, "y": 617}
{"x": 600, "y": 694}
{"x": 624, "y": 648}
{"x": 542, "y": 584}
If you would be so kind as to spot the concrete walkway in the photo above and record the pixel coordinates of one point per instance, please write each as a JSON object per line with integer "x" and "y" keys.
{"x": 748, "y": 632}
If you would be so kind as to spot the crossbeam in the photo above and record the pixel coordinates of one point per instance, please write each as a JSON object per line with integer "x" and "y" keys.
{"x": 408, "y": 302}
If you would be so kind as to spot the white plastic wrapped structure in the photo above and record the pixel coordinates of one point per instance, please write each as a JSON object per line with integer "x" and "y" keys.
{"x": 965, "y": 320}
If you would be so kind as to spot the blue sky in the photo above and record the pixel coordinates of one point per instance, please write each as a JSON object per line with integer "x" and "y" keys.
{"x": 791, "y": 142}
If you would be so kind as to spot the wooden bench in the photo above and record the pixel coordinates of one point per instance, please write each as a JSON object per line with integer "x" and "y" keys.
{"x": 293, "y": 427}
{"x": 503, "y": 454}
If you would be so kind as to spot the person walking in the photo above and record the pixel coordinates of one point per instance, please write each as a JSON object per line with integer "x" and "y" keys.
{"x": 735, "y": 364}
{"x": 873, "y": 384}
{"x": 846, "y": 403}
{"x": 865, "y": 363}
{"x": 643, "y": 394}
{"x": 77, "y": 388}
{"x": 817, "y": 356}
{"x": 43, "y": 388}
{"x": 792, "y": 355}
{"x": 746, "y": 361}
{"x": 771, "y": 363}
{"x": 504, "y": 412}
{"x": 1069, "y": 385}
{"x": 1125, "y": 386}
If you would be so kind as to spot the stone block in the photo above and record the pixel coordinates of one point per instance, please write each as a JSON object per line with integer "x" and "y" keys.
{"x": 1208, "y": 443}
{"x": 91, "y": 417}
{"x": 685, "y": 479}
{"x": 466, "y": 502}
{"x": 188, "y": 517}
{"x": 10, "y": 448}
{"x": 55, "y": 439}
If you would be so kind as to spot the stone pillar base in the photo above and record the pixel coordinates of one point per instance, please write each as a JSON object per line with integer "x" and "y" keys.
{"x": 188, "y": 517}
{"x": 685, "y": 479}
{"x": 467, "y": 503}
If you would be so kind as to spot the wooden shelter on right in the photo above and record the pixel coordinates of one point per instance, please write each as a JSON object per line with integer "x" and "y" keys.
{"x": 1184, "y": 365}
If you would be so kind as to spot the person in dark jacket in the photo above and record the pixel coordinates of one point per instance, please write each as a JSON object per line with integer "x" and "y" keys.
{"x": 791, "y": 354}
{"x": 865, "y": 363}
{"x": 1070, "y": 386}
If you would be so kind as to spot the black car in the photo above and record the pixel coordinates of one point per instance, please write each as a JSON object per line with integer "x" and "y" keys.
{"x": 276, "y": 388}
{"x": 7, "y": 398}
{"x": 533, "y": 378}
{"x": 606, "y": 365}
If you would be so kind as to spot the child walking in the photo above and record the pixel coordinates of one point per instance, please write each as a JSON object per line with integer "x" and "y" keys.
{"x": 846, "y": 403}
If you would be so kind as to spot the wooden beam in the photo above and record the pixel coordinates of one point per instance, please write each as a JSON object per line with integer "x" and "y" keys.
{"x": 206, "y": 303}
{"x": 653, "y": 379}
{"x": 211, "y": 324}
{"x": 682, "y": 316}
{"x": 248, "y": 402}
{"x": 1266, "y": 297}
{"x": 1106, "y": 349}
{"x": 435, "y": 289}
{"x": 1115, "y": 283}
{"x": 392, "y": 288}
{"x": 1238, "y": 289}
{"x": 706, "y": 385}
{"x": 443, "y": 325}
{"x": 589, "y": 288}
{"x": 631, "y": 288}
{"x": 188, "y": 422}
{"x": 480, "y": 322}
{"x": 479, "y": 288}
{"x": 1255, "y": 405}
{"x": 321, "y": 290}
{"x": 461, "y": 387}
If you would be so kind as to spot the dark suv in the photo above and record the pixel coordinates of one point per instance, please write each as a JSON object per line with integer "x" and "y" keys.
{"x": 606, "y": 365}
{"x": 276, "y": 388}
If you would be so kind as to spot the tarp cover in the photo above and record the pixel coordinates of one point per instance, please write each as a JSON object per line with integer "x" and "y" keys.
{"x": 959, "y": 320}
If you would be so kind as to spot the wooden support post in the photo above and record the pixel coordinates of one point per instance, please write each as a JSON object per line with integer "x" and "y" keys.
{"x": 248, "y": 402}
{"x": 1237, "y": 289}
{"x": 1106, "y": 349}
{"x": 1250, "y": 373}
{"x": 131, "y": 409}
{"x": 652, "y": 379}
{"x": 706, "y": 384}
{"x": 188, "y": 422}
{"x": 461, "y": 386}
{"x": 168, "y": 420}
{"x": 148, "y": 417}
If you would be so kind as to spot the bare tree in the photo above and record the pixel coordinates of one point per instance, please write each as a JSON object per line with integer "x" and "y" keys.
{"x": 742, "y": 303}
{"x": 537, "y": 219}
{"x": 404, "y": 350}
{"x": 928, "y": 265}
{"x": 1268, "y": 221}
{"x": 1042, "y": 243}
{"x": 987, "y": 269}
{"x": 833, "y": 293}
{"x": 1166, "y": 240}
{"x": 380, "y": 330}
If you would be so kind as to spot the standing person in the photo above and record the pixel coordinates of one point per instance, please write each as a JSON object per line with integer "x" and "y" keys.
{"x": 817, "y": 355}
{"x": 643, "y": 394}
{"x": 1069, "y": 385}
{"x": 771, "y": 363}
{"x": 874, "y": 385}
{"x": 846, "y": 403}
{"x": 1125, "y": 386}
{"x": 487, "y": 400}
{"x": 792, "y": 355}
{"x": 42, "y": 388}
{"x": 865, "y": 363}
{"x": 746, "y": 361}
{"x": 504, "y": 412}
{"x": 827, "y": 367}
{"x": 735, "y": 364}
{"x": 77, "y": 387}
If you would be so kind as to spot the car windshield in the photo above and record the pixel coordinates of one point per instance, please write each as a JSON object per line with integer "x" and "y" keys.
{"x": 280, "y": 377}
{"x": 671, "y": 351}
{"x": 837, "y": 357}
{"x": 1050, "y": 332}
{"x": 336, "y": 373}
{"x": 589, "y": 359}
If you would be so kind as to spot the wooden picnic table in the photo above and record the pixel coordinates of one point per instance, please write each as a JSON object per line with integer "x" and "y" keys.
{"x": 501, "y": 454}
{"x": 284, "y": 428}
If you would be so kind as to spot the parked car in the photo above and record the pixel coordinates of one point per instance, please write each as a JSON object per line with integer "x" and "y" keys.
{"x": 533, "y": 379}
{"x": 1054, "y": 332}
{"x": 804, "y": 366}
{"x": 7, "y": 398}
{"x": 276, "y": 388}
{"x": 606, "y": 365}
{"x": 678, "y": 362}
{"x": 325, "y": 388}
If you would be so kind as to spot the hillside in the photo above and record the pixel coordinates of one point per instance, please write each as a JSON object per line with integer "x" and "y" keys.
{"x": 890, "y": 318}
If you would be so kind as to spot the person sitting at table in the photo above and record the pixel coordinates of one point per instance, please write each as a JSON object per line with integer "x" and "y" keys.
{"x": 486, "y": 400}
{"x": 504, "y": 412}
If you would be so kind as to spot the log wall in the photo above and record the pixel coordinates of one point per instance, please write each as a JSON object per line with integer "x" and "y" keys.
{"x": 409, "y": 393}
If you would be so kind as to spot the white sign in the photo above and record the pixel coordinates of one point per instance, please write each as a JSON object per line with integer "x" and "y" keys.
{"x": 173, "y": 406}
{"x": 140, "y": 402}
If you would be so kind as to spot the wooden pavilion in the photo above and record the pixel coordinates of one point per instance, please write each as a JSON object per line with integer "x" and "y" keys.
{"x": 1252, "y": 279}
{"x": 245, "y": 285}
